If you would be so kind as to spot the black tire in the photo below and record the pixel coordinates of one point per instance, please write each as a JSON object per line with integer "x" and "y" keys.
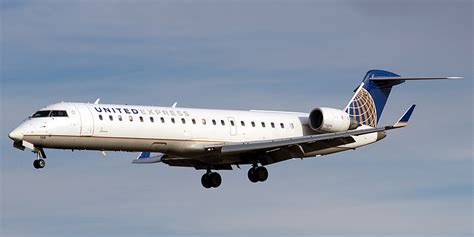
{"x": 205, "y": 181}
{"x": 36, "y": 165}
{"x": 252, "y": 176}
{"x": 261, "y": 173}
{"x": 215, "y": 179}
{"x": 41, "y": 163}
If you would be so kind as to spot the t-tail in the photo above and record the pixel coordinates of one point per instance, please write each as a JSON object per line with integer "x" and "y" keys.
{"x": 370, "y": 97}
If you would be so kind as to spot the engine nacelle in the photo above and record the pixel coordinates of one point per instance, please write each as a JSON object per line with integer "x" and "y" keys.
{"x": 331, "y": 120}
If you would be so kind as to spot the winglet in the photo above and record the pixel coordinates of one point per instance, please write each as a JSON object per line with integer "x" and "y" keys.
{"x": 146, "y": 158}
{"x": 144, "y": 155}
{"x": 403, "y": 121}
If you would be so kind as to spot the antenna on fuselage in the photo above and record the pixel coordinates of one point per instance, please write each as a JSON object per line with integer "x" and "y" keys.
{"x": 97, "y": 101}
{"x": 174, "y": 105}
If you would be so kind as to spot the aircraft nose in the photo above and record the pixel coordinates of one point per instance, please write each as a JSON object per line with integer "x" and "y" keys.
{"x": 16, "y": 135}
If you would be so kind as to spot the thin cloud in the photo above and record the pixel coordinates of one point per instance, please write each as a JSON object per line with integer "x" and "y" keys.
{"x": 241, "y": 55}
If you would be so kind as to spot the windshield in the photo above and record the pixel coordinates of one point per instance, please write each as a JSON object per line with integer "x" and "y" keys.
{"x": 58, "y": 113}
{"x": 40, "y": 114}
{"x": 49, "y": 113}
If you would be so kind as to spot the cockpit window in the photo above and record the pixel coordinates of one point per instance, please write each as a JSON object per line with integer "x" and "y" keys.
{"x": 58, "y": 113}
{"x": 41, "y": 113}
{"x": 49, "y": 113}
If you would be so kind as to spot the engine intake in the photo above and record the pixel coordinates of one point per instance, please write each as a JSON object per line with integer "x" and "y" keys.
{"x": 331, "y": 120}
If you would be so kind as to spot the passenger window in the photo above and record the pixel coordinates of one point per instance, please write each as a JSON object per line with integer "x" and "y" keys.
{"x": 242, "y": 123}
{"x": 152, "y": 119}
{"x": 282, "y": 125}
{"x": 120, "y": 117}
{"x": 193, "y": 120}
{"x": 183, "y": 120}
{"x": 222, "y": 122}
{"x": 214, "y": 122}
{"x": 292, "y": 126}
{"x": 263, "y": 124}
{"x": 130, "y": 118}
{"x": 232, "y": 123}
{"x": 40, "y": 114}
{"x": 203, "y": 121}
{"x": 172, "y": 120}
{"x": 100, "y": 116}
{"x": 162, "y": 120}
{"x": 273, "y": 124}
{"x": 253, "y": 124}
{"x": 58, "y": 113}
{"x": 141, "y": 119}
{"x": 111, "y": 118}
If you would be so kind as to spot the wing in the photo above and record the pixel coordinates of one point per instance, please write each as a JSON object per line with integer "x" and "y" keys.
{"x": 268, "y": 151}
{"x": 338, "y": 137}
{"x": 287, "y": 148}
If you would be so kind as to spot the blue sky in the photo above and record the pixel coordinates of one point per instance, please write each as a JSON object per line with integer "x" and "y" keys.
{"x": 278, "y": 55}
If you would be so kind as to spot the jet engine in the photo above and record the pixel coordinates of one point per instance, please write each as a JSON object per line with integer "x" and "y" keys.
{"x": 331, "y": 120}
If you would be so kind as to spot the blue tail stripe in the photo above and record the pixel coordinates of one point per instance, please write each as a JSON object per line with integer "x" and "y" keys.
{"x": 379, "y": 90}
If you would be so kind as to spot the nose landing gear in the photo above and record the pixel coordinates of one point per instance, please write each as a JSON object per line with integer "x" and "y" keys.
{"x": 39, "y": 163}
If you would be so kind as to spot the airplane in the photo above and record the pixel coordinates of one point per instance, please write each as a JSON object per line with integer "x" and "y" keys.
{"x": 212, "y": 140}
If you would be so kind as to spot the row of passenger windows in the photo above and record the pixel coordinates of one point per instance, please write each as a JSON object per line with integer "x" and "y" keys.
{"x": 193, "y": 121}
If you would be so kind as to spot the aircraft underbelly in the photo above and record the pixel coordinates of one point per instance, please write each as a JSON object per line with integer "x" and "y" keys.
{"x": 173, "y": 147}
{"x": 361, "y": 140}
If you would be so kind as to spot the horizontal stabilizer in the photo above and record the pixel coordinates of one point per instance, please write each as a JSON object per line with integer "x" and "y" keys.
{"x": 403, "y": 121}
{"x": 412, "y": 78}
{"x": 146, "y": 158}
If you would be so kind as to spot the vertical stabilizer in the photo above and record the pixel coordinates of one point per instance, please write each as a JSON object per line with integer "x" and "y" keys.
{"x": 367, "y": 104}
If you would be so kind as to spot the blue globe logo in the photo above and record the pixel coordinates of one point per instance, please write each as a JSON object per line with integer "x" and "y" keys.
{"x": 362, "y": 108}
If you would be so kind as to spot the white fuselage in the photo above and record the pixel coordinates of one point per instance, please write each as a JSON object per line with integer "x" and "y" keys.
{"x": 182, "y": 132}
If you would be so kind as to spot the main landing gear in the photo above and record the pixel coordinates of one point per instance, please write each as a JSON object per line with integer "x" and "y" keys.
{"x": 258, "y": 174}
{"x": 211, "y": 179}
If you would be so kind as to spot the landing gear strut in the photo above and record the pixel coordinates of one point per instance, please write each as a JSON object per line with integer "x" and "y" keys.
{"x": 211, "y": 179}
{"x": 258, "y": 174}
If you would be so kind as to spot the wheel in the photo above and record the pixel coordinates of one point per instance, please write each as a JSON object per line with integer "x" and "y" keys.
{"x": 261, "y": 173}
{"x": 252, "y": 176}
{"x": 35, "y": 164}
{"x": 205, "y": 181}
{"x": 39, "y": 164}
{"x": 215, "y": 179}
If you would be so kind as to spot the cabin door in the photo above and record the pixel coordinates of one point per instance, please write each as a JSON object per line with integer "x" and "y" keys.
{"x": 233, "y": 126}
{"x": 87, "y": 121}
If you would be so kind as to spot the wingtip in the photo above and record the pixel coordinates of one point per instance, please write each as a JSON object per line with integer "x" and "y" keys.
{"x": 403, "y": 121}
